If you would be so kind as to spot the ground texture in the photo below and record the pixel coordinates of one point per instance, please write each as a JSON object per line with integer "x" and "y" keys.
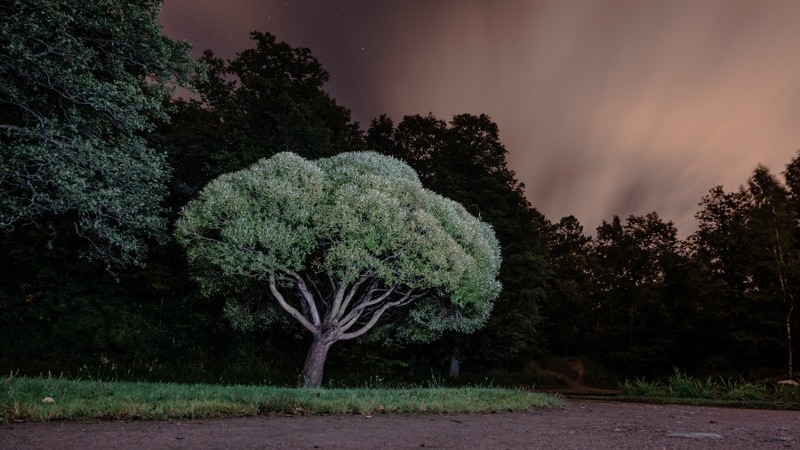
{"x": 582, "y": 424}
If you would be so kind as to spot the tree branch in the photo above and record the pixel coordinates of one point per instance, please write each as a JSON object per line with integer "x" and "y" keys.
{"x": 366, "y": 301}
{"x": 404, "y": 300}
{"x": 289, "y": 308}
{"x": 307, "y": 296}
{"x": 342, "y": 302}
{"x": 338, "y": 296}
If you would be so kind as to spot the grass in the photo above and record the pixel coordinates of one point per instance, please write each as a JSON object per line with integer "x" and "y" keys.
{"x": 95, "y": 399}
{"x": 680, "y": 388}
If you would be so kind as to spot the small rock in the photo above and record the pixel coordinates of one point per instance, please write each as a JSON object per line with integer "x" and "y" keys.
{"x": 48, "y": 400}
{"x": 693, "y": 435}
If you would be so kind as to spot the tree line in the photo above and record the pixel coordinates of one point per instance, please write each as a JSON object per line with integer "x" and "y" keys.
{"x": 99, "y": 158}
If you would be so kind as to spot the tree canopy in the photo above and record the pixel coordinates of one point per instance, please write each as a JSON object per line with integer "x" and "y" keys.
{"x": 747, "y": 241}
{"x": 341, "y": 241}
{"x": 79, "y": 84}
{"x": 267, "y": 99}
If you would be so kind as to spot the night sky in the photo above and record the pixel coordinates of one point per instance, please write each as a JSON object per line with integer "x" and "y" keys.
{"x": 605, "y": 107}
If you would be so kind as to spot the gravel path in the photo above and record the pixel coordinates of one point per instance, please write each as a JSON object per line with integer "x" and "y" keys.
{"x": 582, "y": 424}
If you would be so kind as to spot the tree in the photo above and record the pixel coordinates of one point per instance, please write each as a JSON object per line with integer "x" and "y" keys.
{"x": 417, "y": 140}
{"x": 79, "y": 84}
{"x": 792, "y": 178}
{"x": 266, "y": 100}
{"x": 341, "y": 242}
{"x": 735, "y": 244}
{"x": 777, "y": 258}
{"x": 465, "y": 160}
{"x": 633, "y": 262}
{"x": 568, "y": 313}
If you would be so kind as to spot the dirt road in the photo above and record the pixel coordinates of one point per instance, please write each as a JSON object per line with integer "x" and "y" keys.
{"x": 582, "y": 424}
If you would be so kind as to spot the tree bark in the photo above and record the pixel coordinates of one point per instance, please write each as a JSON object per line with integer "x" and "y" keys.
{"x": 789, "y": 340}
{"x": 788, "y": 298}
{"x": 315, "y": 362}
{"x": 454, "y": 370}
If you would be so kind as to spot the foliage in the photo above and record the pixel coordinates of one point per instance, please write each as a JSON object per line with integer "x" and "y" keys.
{"x": 465, "y": 160}
{"x": 747, "y": 244}
{"x": 633, "y": 263}
{"x": 72, "y": 312}
{"x": 640, "y": 387}
{"x": 683, "y": 386}
{"x": 721, "y": 390}
{"x": 268, "y": 99}
{"x": 78, "y": 87}
{"x": 735, "y": 389}
{"x": 569, "y": 310}
{"x": 92, "y": 400}
{"x": 354, "y": 236}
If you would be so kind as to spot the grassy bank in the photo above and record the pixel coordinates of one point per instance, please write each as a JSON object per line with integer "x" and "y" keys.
{"x": 682, "y": 389}
{"x": 24, "y": 400}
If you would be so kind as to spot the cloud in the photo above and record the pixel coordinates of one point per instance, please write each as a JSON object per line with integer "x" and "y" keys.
{"x": 612, "y": 107}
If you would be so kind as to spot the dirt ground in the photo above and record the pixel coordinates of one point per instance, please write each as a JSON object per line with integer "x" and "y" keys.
{"x": 582, "y": 424}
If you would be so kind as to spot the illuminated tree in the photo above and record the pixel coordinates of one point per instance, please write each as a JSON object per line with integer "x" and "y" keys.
{"x": 342, "y": 243}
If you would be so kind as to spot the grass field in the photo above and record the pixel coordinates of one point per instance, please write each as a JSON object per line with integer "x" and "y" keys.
{"x": 41, "y": 399}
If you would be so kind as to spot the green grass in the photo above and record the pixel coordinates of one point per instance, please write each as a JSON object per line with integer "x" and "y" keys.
{"x": 94, "y": 399}
{"x": 680, "y": 388}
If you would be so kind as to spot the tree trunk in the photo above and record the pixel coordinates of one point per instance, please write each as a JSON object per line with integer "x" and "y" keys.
{"x": 455, "y": 362}
{"x": 315, "y": 362}
{"x": 789, "y": 340}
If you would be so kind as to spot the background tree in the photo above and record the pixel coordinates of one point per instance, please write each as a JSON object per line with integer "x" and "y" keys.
{"x": 776, "y": 266}
{"x": 417, "y": 140}
{"x": 74, "y": 315}
{"x": 465, "y": 160}
{"x": 569, "y": 311}
{"x": 341, "y": 242}
{"x": 633, "y": 263}
{"x": 78, "y": 87}
{"x": 792, "y": 178}
{"x": 268, "y": 99}
{"x": 735, "y": 245}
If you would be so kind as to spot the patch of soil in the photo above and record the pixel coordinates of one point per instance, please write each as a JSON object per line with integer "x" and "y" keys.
{"x": 582, "y": 424}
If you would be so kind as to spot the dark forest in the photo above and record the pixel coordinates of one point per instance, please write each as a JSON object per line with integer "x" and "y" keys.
{"x": 95, "y": 174}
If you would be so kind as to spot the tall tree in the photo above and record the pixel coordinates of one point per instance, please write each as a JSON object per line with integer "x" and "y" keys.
{"x": 268, "y": 99}
{"x": 633, "y": 263}
{"x": 417, "y": 140}
{"x": 792, "y": 178}
{"x": 568, "y": 312}
{"x": 341, "y": 243}
{"x": 465, "y": 160}
{"x": 79, "y": 84}
{"x": 776, "y": 268}
{"x": 730, "y": 244}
